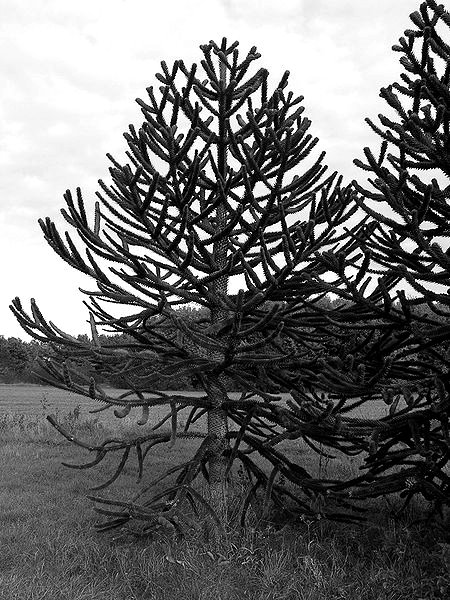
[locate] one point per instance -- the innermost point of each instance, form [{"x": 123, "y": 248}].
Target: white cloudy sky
[{"x": 70, "y": 72}]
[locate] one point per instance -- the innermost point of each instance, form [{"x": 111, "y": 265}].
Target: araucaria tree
[
  {"x": 409, "y": 198},
  {"x": 220, "y": 195}
]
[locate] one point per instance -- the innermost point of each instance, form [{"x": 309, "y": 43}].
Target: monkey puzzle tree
[
  {"x": 410, "y": 241},
  {"x": 216, "y": 196}
]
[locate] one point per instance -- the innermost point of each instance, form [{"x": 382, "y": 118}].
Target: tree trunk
[
  {"x": 217, "y": 418},
  {"x": 217, "y": 393},
  {"x": 218, "y": 430}
]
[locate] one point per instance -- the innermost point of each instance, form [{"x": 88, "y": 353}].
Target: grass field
[
  {"x": 36, "y": 400},
  {"x": 30, "y": 399},
  {"x": 50, "y": 550}
]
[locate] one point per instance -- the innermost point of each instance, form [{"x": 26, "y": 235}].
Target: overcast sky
[{"x": 70, "y": 72}]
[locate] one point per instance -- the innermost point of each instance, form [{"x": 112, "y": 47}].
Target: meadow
[
  {"x": 31, "y": 401},
  {"x": 50, "y": 549}
]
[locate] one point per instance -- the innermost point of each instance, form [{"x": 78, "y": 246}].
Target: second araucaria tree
[
  {"x": 223, "y": 206},
  {"x": 408, "y": 197}
]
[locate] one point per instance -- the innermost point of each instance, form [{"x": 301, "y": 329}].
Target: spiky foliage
[
  {"x": 221, "y": 191},
  {"x": 409, "y": 200}
]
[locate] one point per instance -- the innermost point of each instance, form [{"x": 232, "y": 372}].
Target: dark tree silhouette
[
  {"x": 222, "y": 206},
  {"x": 409, "y": 199}
]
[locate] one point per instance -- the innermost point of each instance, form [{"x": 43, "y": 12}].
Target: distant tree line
[{"x": 19, "y": 360}]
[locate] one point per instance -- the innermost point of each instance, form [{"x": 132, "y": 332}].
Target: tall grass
[{"x": 50, "y": 550}]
